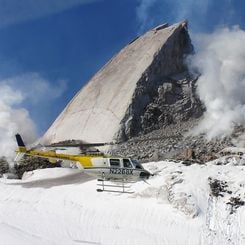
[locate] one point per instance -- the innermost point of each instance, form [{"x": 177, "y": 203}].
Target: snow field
[{"x": 61, "y": 206}]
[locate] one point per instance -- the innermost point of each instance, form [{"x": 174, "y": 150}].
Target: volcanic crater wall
[
  {"x": 144, "y": 87},
  {"x": 165, "y": 93}
]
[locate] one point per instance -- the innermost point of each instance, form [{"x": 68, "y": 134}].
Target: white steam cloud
[
  {"x": 153, "y": 12},
  {"x": 201, "y": 14},
  {"x": 221, "y": 86},
  {"x": 143, "y": 14},
  {"x": 14, "y": 118},
  {"x": 186, "y": 8}
]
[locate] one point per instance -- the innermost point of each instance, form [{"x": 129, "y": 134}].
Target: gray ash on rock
[
  {"x": 173, "y": 142},
  {"x": 166, "y": 92}
]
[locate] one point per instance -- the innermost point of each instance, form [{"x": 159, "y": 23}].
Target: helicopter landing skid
[{"x": 115, "y": 186}]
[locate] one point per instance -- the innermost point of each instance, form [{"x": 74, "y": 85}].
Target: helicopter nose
[{"x": 145, "y": 174}]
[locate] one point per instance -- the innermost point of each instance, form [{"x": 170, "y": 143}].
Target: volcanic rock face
[{"x": 144, "y": 87}]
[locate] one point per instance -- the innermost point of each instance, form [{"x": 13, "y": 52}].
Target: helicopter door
[{"x": 127, "y": 163}]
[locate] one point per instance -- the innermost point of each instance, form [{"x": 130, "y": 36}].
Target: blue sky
[{"x": 50, "y": 48}]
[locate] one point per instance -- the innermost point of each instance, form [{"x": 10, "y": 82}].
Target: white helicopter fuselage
[{"x": 115, "y": 168}]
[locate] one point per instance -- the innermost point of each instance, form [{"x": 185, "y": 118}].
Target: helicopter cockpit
[{"x": 124, "y": 163}]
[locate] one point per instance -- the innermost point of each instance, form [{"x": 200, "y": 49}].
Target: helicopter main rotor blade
[{"x": 77, "y": 145}]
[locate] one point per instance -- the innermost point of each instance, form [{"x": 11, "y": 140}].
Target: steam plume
[
  {"x": 15, "y": 92},
  {"x": 13, "y": 120},
  {"x": 143, "y": 14},
  {"x": 202, "y": 15},
  {"x": 153, "y": 12},
  {"x": 221, "y": 61}
]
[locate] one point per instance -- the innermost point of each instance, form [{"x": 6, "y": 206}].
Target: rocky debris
[
  {"x": 235, "y": 160},
  {"x": 233, "y": 151},
  {"x": 174, "y": 102},
  {"x": 235, "y": 203},
  {"x": 29, "y": 163},
  {"x": 218, "y": 187},
  {"x": 4, "y": 166},
  {"x": 173, "y": 142}
]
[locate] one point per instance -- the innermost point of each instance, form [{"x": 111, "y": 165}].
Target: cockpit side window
[
  {"x": 127, "y": 163},
  {"x": 137, "y": 164},
  {"x": 115, "y": 163}
]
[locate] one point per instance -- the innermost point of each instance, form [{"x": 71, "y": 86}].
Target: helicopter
[{"x": 95, "y": 163}]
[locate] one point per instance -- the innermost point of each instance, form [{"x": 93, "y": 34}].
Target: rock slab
[{"x": 142, "y": 88}]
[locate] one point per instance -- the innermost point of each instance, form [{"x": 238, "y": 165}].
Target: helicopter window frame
[
  {"x": 115, "y": 162},
  {"x": 136, "y": 164},
  {"x": 128, "y": 165}
]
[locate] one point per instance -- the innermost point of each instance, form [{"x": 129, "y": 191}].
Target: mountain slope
[{"x": 135, "y": 92}]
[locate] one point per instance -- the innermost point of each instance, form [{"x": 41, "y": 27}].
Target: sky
[{"x": 50, "y": 48}]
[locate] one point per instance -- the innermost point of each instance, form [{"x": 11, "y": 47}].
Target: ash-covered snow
[{"x": 175, "y": 206}]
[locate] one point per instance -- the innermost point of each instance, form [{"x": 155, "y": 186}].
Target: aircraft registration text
[{"x": 121, "y": 171}]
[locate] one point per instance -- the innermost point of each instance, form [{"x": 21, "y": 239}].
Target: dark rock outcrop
[
  {"x": 4, "y": 166},
  {"x": 29, "y": 163},
  {"x": 165, "y": 94}
]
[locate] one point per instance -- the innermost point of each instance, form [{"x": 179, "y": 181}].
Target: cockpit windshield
[{"x": 136, "y": 164}]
